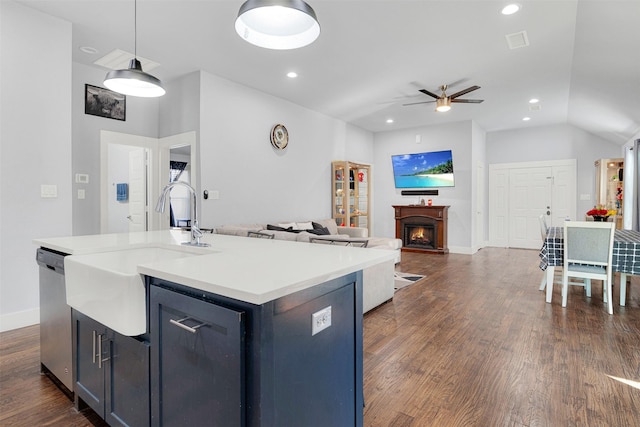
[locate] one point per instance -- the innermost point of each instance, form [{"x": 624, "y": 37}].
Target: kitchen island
[{"x": 248, "y": 331}]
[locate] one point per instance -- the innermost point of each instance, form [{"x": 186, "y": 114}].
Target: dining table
[{"x": 625, "y": 259}]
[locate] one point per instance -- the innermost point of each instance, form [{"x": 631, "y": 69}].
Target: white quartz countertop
[{"x": 248, "y": 269}]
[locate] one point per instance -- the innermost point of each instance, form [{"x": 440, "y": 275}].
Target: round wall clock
[{"x": 279, "y": 137}]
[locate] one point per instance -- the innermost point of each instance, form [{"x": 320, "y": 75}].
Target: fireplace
[
  {"x": 422, "y": 236},
  {"x": 422, "y": 228}
]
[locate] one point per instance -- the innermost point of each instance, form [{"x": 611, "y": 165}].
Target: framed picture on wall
[{"x": 103, "y": 102}]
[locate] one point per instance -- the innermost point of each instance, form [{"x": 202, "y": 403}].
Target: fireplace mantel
[{"x": 435, "y": 215}]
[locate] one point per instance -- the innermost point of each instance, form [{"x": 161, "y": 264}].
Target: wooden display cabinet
[{"x": 350, "y": 188}]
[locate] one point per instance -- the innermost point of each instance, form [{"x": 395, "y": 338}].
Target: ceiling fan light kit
[
  {"x": 133, "y": 81},
  {"x": 443, "y": 105},
  {"x": 277, "y": 24},
  {"x": 443, "y": 101}
]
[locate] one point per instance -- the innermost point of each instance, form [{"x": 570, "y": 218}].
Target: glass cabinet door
[{"x": 350, "y": 187}]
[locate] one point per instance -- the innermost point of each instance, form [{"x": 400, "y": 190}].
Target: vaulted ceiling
[{"x": 372, "y": 56}]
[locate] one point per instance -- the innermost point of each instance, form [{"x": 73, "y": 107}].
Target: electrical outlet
[{"x": 320, "y": 320}]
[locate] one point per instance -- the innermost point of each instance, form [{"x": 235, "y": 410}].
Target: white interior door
[
  {"x": 563, "y": 195},
  {"x": 529, "y": 197},
  {"x": 520, "y": 192},
  {"x": 498, "y": 207},
  {"x": 137, "y": 190}
]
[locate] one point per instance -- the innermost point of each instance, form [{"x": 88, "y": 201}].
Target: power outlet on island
[{"x": 320, "y": 320}]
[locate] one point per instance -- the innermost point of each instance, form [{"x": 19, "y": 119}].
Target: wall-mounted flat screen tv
[{"x": 423, "y": 170}]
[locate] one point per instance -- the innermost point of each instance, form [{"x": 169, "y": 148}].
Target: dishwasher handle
[{"x": 50, "y": 260}]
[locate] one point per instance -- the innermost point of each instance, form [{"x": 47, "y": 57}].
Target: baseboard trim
[{"x": 19, "y": 319}]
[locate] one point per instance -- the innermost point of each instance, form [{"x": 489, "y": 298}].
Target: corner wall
[{"x": 256, "y": 182}]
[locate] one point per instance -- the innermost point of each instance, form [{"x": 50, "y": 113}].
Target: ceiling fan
[{"x": 443, "y": 101}]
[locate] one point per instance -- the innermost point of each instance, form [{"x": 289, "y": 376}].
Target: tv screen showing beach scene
[{"x": 423, "y": 170}]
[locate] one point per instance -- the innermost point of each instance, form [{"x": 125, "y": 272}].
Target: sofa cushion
[
  {"x": 282, "y": 235},
  {"x": 384, "y": 243},
  {"x": 239, "y": 229}
]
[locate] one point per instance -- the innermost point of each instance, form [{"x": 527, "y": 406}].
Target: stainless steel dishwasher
[{"x": 55, "y": 319}]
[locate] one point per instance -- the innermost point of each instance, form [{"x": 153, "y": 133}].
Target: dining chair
[
  {"x": 259, "y": 235},
  {"x": 544, "y": 229},
  {"x": 557, "y": 279},
  {"x": 588, "y": 252}
]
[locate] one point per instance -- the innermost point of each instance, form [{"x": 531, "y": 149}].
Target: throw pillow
[
  {"x": 304, "y": 225},
  {"x": 277, "y": 228},
  {"x": 291, "y": 225},
  {"x": 320, "y": 231}
]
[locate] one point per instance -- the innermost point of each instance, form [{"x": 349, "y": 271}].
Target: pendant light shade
[
  {"x": 133, "y": 81},
  {"x": 277, "y": 24}
]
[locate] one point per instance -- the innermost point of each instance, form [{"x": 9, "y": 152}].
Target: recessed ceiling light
[
  {"x": 292, "y": 74},
  {"x": 88, "y": 49},
  {"x": 389, "y": 120},
  {"x": 534, "y": 101},
  {"x": 510, "y": 9},
  {"x": 526, "y": 119}
]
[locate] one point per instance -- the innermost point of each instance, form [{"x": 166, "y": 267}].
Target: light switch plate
[
  {"x": 48, "y": 191},
  {"x": 320, "y": 320},
  {"x": 82, "y": 178}
]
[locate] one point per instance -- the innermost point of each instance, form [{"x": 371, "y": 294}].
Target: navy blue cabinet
[
  {"x": 221, "y": 361},
  {"x": 197, "y": 361},
  {"x": 111, "y": 373}
]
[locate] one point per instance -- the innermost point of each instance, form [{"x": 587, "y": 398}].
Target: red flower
[{"x": 597, "y": 212}]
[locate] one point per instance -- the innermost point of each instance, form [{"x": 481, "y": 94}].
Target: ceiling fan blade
[
  {"x": 458, "y": 82},
  {"x": 468, "y": 101},
  {"x": 422, "y": 102},
  {"x": 426, "y": 92},
  {"x": 464, "y": 91}
]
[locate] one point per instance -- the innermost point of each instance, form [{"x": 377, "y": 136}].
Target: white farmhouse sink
[{"x": 107, "y": 287}]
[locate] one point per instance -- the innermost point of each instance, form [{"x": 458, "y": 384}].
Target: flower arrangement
[{"x": 600, "y": 213}]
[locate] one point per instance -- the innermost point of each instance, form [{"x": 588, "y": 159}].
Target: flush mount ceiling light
[
  {"x": 277, "y": 24},
  {"x": 443, "y": 104},
  {"x": 133, "y": 81}
]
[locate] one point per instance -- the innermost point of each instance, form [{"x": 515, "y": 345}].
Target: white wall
[
  {"x": 35, "y": 106},
  {"x": 557, "y": 142},
  {"x": 256, "y": 182},
  {"x": 142, "y": 117},
  {"x": 452, "y": 136}
]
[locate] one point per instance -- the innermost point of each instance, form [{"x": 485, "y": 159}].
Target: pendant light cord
[{"x": 135, "y": 28}]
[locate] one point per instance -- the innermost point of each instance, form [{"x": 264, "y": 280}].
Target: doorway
[
  {"x": 520, "y": 192},
  {"x": 141, "y": 165}
]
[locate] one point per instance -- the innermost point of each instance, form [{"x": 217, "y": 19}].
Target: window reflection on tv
[{"x": 423, "y": 170}]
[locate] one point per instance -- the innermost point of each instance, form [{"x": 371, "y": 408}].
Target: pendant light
[
  {"x": 133, "y": 81},
  {"x": 277, "y": 24}
]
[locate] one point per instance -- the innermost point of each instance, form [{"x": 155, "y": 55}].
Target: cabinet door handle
[
  {"x": 99, "y": 351},
  {"x": 93, "y": 348},
  {"x": 192, "y": 329}
]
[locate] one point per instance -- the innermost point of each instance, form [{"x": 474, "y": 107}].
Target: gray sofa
[{"x": 378, "y": 281}]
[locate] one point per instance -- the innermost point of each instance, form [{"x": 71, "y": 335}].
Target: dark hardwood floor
[{"x": 472, "y": 344}]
